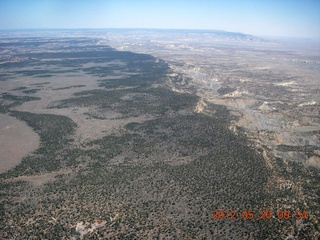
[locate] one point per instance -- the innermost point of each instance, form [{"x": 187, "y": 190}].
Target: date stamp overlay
[{"x": 262, "y": 214}]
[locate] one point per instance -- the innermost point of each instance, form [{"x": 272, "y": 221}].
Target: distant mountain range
[{"x": 211, "y": 34}]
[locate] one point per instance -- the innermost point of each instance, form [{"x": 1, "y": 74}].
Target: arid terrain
[
  {"x": 143, "y": 134},
  {"x": 13, "y": 148},
  {"x": 274, "y": 86}
]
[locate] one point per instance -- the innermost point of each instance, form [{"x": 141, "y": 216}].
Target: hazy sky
[{"x": 300, "y": 18}]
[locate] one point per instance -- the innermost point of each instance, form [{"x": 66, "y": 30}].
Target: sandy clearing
[
  {"x": 39, "y": 180},
  {"x": 88, "y": 128},
  {"x": 49, "y": 95},
  {"x": 17, "y": 139},
  {"x": 314, "y": 162}
]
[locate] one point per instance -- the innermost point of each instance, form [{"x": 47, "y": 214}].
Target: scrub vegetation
[{"x": 159, "y": 178}]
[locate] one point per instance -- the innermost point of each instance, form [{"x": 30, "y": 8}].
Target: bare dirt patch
[
  {"x": 41, "y": 179},
  {"x": 314, "y": 161},
  {"x": 16, "y": 141}
]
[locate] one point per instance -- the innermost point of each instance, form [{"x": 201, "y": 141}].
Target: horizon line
[{"x": 155, "y": 29}]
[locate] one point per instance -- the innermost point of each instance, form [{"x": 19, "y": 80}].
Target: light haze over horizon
[{"x": 294, "y": 18}]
